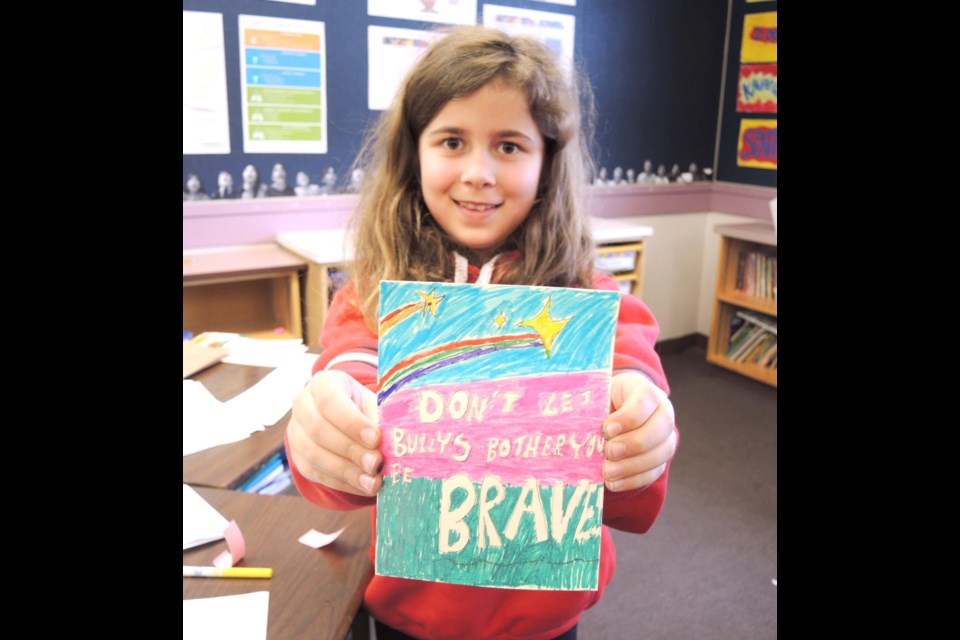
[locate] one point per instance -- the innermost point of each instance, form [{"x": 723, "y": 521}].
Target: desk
[
  {"x": 227, "y": 465},
  {"x": 314, "y": 593},
  {"x": 325, "y": 250},
  {"x": 249, "y": 289}
]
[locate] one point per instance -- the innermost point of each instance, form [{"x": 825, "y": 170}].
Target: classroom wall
[
  {"x": 656, "y": 69},
  {"x": 680, "y": 270},
  {"x": 672, "y": 270}
]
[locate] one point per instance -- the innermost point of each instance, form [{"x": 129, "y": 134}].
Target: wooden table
[
  {"x": 314, "y": 593},
  {"x": 228, "y": 465}
]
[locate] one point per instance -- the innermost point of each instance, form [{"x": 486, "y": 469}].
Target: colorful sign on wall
[
  {"x": 759, "y": 37},
  {"x": 757, "y": 88},
  {"x": 283, "y": 85},
  {"x": 757, "y": 144}
]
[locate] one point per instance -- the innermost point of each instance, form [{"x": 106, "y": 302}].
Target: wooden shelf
[
  {"x": 326, "y": 250},
  {"x": 253, "y": 290},
  {"x": 761, "y": 305},
  {"x": 623, "y": 261},
  {"x": 738, "y": 241}
]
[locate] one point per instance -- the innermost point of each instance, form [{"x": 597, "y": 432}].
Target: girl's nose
[{"x": 479, "y": 169}]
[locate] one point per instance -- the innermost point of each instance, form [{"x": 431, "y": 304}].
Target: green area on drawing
[
  {"x": 272, "y": 95},
  {"x": 408, "y": 538}
]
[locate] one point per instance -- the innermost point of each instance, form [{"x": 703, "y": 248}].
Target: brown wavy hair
[{"x": 395, "y": 238}]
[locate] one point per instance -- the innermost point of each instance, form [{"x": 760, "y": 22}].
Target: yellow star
[
  {"x": 547, "y": 327},
  {"x": 430, "y": 300},
  {"x": 500, "y": 320}
]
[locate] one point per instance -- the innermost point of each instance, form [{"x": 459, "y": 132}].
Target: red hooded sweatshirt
[{"x": 432, "y": 610}]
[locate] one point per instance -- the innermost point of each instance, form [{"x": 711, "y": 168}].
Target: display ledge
[{"x": 247, "y": 221}]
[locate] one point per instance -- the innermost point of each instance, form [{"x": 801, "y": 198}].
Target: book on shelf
[
  {"x": 746, "y": 346},
  {"x": 763, "y": 321},
  {"x": 754, "y": 353},
  {"x": 753, "y": 338},
  {"x": 739, "y": 328},
  {"x": 756, "y": 274},
  {"x": 769, "y": 357},
  {"x": 743, "y": 334}
]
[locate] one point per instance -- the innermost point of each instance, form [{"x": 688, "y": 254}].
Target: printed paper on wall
[
  {"x": 556, "y": 30},
  {"x": 392, "y": 53},
  {"x": 491, "y": 401},
  {"x": 206, "y": 123},
  {"x": 283, "y": 85},
  {"x": 445, "y": 11}
]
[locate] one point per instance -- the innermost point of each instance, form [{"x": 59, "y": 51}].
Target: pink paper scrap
[{"x": 236, "y": 547}]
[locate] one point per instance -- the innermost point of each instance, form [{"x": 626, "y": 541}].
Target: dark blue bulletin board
[
  {"x": 656, "y": 69},
  {"x": 748, "y": 132}
]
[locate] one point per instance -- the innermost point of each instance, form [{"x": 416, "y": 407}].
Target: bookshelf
[
  {"x": 743, "y": 327},
  {"x": 624, "y": 262},
  {"x": 253, "y": 290}
]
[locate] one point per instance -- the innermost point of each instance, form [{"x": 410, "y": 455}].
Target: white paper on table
[
  {"x": 271, "y": 398},
  {"x": 207, "y": 422},
  {"x": 201, "y": 522},
  {"x": 317, "y": 539},
  {"x": 262, "y": 353},
  {"x": 239, "y": 617}
]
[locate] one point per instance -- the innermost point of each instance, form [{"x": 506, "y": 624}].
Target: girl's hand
[
  {"x": 333, "y": 434},
  {"x": 640, "y": 433}
]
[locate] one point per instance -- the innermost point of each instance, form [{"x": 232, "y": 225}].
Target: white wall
[{"x": 680, "y": 269}]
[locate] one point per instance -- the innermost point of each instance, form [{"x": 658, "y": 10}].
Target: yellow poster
[
  {"x": 757, "y": 144},
  {"x": 759, "y": 37}
]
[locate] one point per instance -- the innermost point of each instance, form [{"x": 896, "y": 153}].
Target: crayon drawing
[
  {"x": 491, "y": 400},
  {"x": 758, "y": 144},
  {"x": 757, "y": 88}
]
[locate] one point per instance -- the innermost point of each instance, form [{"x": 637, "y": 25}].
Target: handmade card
[{"x": 491, "y": 402}]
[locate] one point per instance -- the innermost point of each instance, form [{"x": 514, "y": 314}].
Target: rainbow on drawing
[{"x": 491, "y": 400}]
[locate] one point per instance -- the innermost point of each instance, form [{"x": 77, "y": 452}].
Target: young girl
[
  {"x": 473, "y": 176},
  {"x": 251, "y": 186}
]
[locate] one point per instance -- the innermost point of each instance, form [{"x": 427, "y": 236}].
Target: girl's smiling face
[{"x": 480, "y": 161}]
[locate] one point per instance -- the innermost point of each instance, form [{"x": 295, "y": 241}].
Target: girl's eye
[
  {"x": 509, "y": 148},
  {"x": 452, "y": 144}
]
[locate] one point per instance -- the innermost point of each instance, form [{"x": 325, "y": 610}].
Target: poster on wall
[
  {"x": 491, "y": 400},
  {"x": 757, "y": 145},
  {"x": 391, "y": 53},
  {"x": 757, "y": 88},
  {"x": 206, "y": 122},
  {"x": 446, "y": 11},
  {"x": 759, "y": 42},
  {"x": 757, "y": 91},
  {"x": 555, "y": 30},
  {"x": 283, "y": 85}
]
